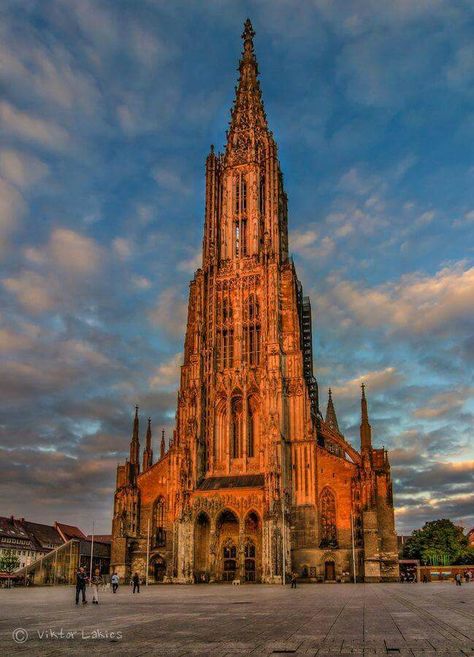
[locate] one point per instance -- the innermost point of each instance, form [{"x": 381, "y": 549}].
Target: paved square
[{"x": 420, "y": 620}]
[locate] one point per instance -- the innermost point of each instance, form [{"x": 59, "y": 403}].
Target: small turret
[
  {"x": 148, "y": 451},
  {"x": 162, "y": 446},
  {"x": 135, "y": 443},
  {"x": 365, "y": 428},
  {"x": 331, "y": 419}
]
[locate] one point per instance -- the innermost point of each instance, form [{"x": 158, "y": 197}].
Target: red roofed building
[{"x": 69, "y": 531}]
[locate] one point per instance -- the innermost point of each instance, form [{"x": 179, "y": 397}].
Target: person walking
[
  {"x": 115, "y": 582},
  {"x": 96, "y": 582},
  {"x": 136, "y": 583},
  {"x": 293, "y": 580},
  {"x": 458, "y": 579},
  {"x": 81, "y": 581}
]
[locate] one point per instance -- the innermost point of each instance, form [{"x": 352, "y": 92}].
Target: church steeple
[
  {"x": 247, "y": 113},
  {"x": 248, "y": 118},
  {"x": 135, "y": 443},
  {"x": 148, "y": 451},
  {"x": 331, "y": 418},
  {"x": 365, "y": 428}
]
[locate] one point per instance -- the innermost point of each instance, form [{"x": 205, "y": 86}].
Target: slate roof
[
  {"x": 14, "y": 535},
  {"x": 45, "y": 535},
  {"x": 242, "y": 481}
]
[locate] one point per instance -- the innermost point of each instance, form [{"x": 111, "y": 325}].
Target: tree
[
  {"x": 9, "y": 562},
  {"x": 466, "y": 558},
  {"x": 438, "y": 543}
]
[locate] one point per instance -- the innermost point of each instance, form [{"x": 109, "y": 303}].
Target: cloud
[
  {"x": 12, "y": 209},
  {"x": 67, "y": 258},
  {"x": 31, "y": 128},
  {"x": 191, "y": 264},
  {"x": 310, "y": 245},
  {"x": 141, "y": 282},
  {"x": 443, "y": 404},
  {"x": 32, "y": 290},
  {"x": 170, "y": 312},
  {"x": 21, "y": 169},
  {"x": 170, "y": 180},
  {"x": 123, "y": 247},
  {"x": 166, "y": 375},
  {"x": 74, "y": 252},
  {"x": 417, "y": 303},
  {"x": 377, "y": 380}
]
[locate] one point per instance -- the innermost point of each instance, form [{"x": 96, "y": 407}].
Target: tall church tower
[
  {"x": 244, "y": 405},
  {"x": 255, "y": 482}
]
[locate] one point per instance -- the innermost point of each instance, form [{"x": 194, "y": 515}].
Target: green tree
[
  {"x": 9, "y": 562},
  {"x": 438, "y": 543},
  {"x": 466, "y": 558}
]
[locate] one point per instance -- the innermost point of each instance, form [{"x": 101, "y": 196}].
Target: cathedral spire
[
  {"x": 331, "y": 418},
  {"x": 365, "y": 428},
  {"x": 162, "y": 446},
  {"x": 247, "y": 113},
  {"x": 148, "y": 451},
  {"x": 135, "y": 442}
]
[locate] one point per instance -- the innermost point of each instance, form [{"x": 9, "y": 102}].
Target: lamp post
[
  {"x": 147, "y": 552},
  {"x": 92, "y": 555},
  {"x": 353, "y": 549},
  {"x": 283, "y": 539}
]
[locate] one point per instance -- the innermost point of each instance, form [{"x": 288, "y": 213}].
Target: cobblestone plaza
[{"x": 432, "y": 620}]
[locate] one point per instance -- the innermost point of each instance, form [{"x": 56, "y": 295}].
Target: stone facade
[{"x": 255, "y": 480}]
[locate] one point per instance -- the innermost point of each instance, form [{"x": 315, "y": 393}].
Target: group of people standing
[{"x": 96, "y": 581}]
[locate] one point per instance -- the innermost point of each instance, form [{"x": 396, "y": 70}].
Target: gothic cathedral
[{"x": 255, "y": 483}]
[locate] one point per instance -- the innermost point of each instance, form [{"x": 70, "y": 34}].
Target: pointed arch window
[
  {"x": 236, "y": 427},
  {"x": 158, "y": 522},
  {"x": 327, "y": 507},
  {"x": 262, "y": 195},
  {"x": 237, "y": 239},
  {"x": 220, "y": 433},
  {"x": 251, "y": 316},
  {"x": 240, "y": 194},
  {"x": 225, "y": 332},
  {"x": 240, "y": 236},
  {"x": 252, "y": 423}
]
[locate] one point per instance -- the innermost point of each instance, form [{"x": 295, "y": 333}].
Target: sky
[{"x": 107, "y": 112}]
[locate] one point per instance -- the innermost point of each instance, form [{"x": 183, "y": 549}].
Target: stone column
[
  {"x": 213, "y": 547},
  {"x": 241, "y": 551}
]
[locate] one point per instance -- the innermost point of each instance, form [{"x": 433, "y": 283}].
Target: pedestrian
[
  {"x": 96, "y": 582},
  {"x": 115, "y": 582},
  {"x": 293, "y": 580},
  {"x": 458, "y": 579},
  {"x": 136, "y": 583},
  {"x": 81, "y": 580}
]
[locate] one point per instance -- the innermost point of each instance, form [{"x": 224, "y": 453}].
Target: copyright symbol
[{"x": 20, "y": 635}]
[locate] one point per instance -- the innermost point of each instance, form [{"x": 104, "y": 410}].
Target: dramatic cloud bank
[{"x": 107, "y": 113}]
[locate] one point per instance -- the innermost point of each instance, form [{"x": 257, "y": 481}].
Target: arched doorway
[
  {"x": 250, "y": 554},
  {"x": 252, "y": 547},
  {"x": 227, "y": 528},
  {"x": 229, "y": 556},
  {"x": 158, "y": 568},
  {"x": 329, "y": 571},
  {"x": 202, "y": 530}
]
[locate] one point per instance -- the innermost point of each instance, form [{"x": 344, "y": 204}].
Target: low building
[
  {"x": 31, "y": 540},
  {"x": 60, "y": 565}
]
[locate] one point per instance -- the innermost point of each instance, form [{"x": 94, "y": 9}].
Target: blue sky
[{"x": 107, "y": 111}]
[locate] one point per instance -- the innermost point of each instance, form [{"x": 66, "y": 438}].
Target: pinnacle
[
  {"x": 247, "y": 113},
  {"x": 331, "y": 418}
]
